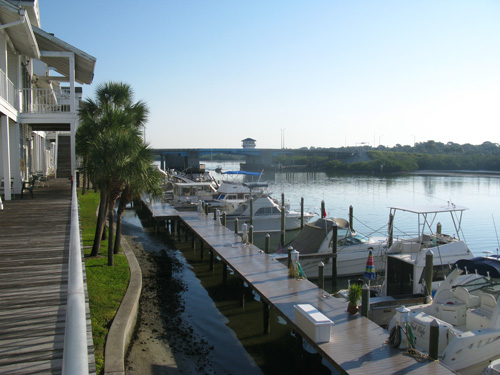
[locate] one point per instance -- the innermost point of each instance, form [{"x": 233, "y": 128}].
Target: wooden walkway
[
  {"x": 34, "y": 245},
  {"x": 357, "y": 345}
]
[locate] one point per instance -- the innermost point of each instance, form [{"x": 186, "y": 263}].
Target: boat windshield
[{"x": 347, "y": 238}]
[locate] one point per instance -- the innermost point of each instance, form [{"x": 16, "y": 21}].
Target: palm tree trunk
[
  {"x": 101, "y": 221},
  {"x": 111, "y": 211},
  {"x": 118, "y": 232}
]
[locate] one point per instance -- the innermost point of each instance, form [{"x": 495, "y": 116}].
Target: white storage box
[{"x": 313, "y": 323}]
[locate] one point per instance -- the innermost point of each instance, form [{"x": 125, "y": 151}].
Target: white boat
[
  {"x": 406, "y": 255},
  {"x": 232, "y": 192},
  {"x": 187, "y": 195},
  {"x": 352, "y": 248},
  {"x": 264, "y": 213},
  {"x": 466, "y": 310}
]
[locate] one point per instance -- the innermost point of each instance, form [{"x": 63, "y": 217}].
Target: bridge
[{"x": 255, "y": 158}]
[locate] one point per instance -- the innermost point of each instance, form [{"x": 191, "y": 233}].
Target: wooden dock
[
  {"x": 34, "y": 246},
  {"x": 357, "y": 345}
]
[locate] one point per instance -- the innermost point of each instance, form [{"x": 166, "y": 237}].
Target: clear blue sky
[{"x": 329, "y": 73}]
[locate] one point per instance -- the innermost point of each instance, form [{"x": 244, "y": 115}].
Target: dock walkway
[
  {"x": 34, "y": 247},
  {"x": 357, "y": 345}
]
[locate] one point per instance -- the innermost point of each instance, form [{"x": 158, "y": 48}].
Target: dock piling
[
  {"x": 265, "y": 315},
  {"x": 334, "y": 255},
  {"x": 267, "y": 243},
  {"x": 365, "y": 300},
  {"x": 321, "y": 275}
]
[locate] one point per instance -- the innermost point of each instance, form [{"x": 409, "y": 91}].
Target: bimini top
[
  {"x": 431, "y": 209},
  {"x": 483, "y": 266}
]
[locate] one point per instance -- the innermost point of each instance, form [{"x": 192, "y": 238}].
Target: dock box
[{"x": 313, "y": 323}]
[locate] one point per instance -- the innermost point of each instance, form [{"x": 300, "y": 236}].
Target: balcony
[{"x": 36, "y": 100}]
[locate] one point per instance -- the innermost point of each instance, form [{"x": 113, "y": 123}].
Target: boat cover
[
  {"x": 311, "y": 237},
  {"x": 482, "y": 265}
]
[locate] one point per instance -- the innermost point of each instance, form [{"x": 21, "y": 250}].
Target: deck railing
[
  {"x": 75, "y": 355},
  {"x": 37, "y": 100}
]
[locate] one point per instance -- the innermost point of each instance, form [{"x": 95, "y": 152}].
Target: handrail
[{"x": 75, "y": 354}]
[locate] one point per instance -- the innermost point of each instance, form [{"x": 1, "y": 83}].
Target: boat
[
  {"x": 406, "y": 255},
  {"x": 352, "y": 248},
  {"x": 218, "y": 169},
  {"x": 186, "y": 196},
  {"x": 406, "y": 260},
  {"x": 465, "y": 312},
  {"x": 232, "y": 192},
  {"x": 264, "y": 213}
]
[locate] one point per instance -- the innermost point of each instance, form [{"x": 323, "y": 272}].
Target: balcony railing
[
  {"x": 7, "y": 89},
  {"x": 45, "y": 100}
]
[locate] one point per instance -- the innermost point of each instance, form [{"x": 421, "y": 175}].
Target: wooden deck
[
  {"x": 357, "y": 345},
  {"x": 34, "y": 245}
]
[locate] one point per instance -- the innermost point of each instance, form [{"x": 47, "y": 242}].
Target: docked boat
[
  {"x": 352, "y": 248},
  {"x": 406, "y": 255},
  {"x": 232, "y": 192},
  {"x": 406, "y": 259},
  {"x": 186, "y": 196},
  {"x": 466, "y": 311},
  {"x": 264, "y": 213}
]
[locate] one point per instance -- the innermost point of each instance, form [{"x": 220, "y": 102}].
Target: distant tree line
[{"x": 428, "y": 155}]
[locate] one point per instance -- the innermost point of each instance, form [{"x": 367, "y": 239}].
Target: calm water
[{"x": 371, "y": 198}]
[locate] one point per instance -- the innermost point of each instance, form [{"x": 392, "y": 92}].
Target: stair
[{"x": 63, "y": 156}]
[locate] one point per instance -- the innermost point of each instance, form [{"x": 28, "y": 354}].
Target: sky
[{"x": 296, "y": 73}]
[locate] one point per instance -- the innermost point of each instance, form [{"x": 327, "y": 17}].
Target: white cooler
[{"x": 313, "y": 323}]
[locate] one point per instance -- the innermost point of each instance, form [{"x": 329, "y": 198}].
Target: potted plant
[{"x": 353, "y": 298}]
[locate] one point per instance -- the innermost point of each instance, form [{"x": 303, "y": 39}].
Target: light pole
[{"x": 283, "y": 137}]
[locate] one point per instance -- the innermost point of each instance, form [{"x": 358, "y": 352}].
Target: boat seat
[
  {"x": 488, "y": 302},
  {"x": 463, "y": 295},
  {"x": 480, "y": 317}
]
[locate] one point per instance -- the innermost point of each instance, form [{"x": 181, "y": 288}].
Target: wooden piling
[
  {"x": 429, "y": 264},
  {"x": 434, "y": 340},
  {"x": 251, "y": 211},
  {"x": 242, "y": 293},
  {"x": 365, "y": 300},
  {"x": 302, "y": 213},
  {"x": 267, "y": 243},
  {"x": 321, "y": 275},
  {"x": 351, "y": 218},
  {"x": 334, "y": 256},
  {"x": 212, "y": 260},
  {"x": 250, "y": 234},
  {"x": 224, "y": 273},
  {"x": 265, "y": 315},
  {"x": 283, "y": 226}
]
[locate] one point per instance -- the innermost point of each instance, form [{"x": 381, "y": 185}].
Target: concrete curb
[{"x": 125, "y": 320}]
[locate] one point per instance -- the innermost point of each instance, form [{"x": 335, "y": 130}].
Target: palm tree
[
  {"x": 109, "y": 139},
  {"x": 143, "y": 178}
]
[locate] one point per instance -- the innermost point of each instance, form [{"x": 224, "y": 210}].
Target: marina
[{"x": 356, "y": 346}]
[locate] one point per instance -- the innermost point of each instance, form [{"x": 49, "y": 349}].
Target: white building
[
  {"x": 248, "y": 143},
  {"x": 38, "y": 97}
]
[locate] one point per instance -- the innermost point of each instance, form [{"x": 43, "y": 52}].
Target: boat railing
[{"x": 75, "y": 352}]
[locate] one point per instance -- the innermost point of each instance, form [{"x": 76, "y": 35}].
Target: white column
[
  {"x": 72, "y": 110},
  {"x": 6, "y": 157}
]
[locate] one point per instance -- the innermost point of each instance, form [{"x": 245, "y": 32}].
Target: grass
[{"x": 106, "y": 285}]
